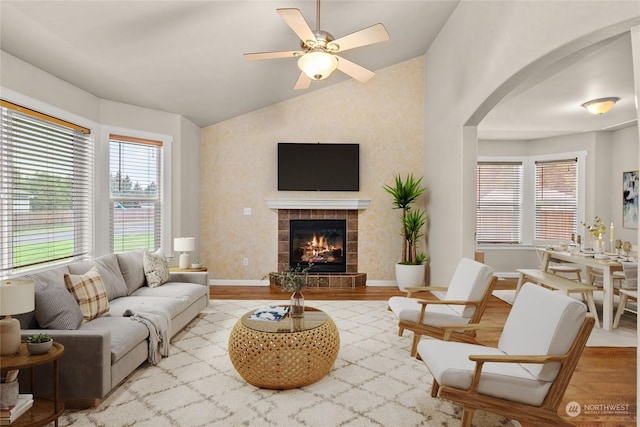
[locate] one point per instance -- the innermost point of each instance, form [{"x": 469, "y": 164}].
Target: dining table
[{"x": 607, "y": 265}]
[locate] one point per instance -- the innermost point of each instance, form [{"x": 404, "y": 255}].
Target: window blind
[
  {"x": 135, "y": 175},
  {"x": 46, "y": 182},
  {"x": 499, "y": 201},
  {"x": 556, "y": 200}
]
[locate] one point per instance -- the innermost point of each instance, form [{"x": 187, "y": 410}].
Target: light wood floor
[{"x": 604, "y": 376}]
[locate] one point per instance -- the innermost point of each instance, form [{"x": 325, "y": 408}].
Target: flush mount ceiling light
[{"x": 601, "y": 105}]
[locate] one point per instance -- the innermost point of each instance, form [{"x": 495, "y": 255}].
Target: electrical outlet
[
  {"x": 247, "y": 211},
  {"x": 245, "y": 261}
]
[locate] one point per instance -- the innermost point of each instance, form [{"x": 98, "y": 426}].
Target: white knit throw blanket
[{"x": 158, "y": 323}]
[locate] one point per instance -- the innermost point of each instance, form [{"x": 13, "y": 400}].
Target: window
[
  {"x": 556, "y": 200},
  {"x": 499, "y": 201},
  {"x": 521, "y": 200},
  {"x": 135, "y": 176},
  {"x": 46, "y": 182}
]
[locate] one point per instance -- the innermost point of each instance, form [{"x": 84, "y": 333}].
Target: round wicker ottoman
[{"x": 286, "y": 354}]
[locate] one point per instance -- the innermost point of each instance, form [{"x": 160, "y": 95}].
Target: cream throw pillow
[
  {"x": 156, "y": 268},
  {"x": 89, "y": 290}
]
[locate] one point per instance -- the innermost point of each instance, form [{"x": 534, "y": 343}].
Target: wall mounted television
[{"x": 318, "y": 167}]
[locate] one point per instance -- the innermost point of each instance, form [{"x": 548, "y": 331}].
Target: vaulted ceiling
[{"x": 185, "y": 57}]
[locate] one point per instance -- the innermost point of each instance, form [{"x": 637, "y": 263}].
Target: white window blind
[
  {"x": 556, "y": 202},
  {"x": 46, "y": 182},
  {"x": 499, "y": 193},
  {"x": 135, "y": 175}
]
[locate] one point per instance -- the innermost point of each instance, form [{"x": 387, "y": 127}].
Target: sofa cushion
[
  {"x": 156, "y": 268},
  {"x": 89, "y": 291},
  {"x": 173, "y": 306},
  {"x": 125, "y": 333},
  {"x": 132, "y": 269},
  {"x": 56, "y": 308},
  {"x": 109, "y": 270},
  {"x": 192, "y": 291}
]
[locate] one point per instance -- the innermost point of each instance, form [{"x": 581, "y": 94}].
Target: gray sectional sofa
[{"x": 102, "y": 352}]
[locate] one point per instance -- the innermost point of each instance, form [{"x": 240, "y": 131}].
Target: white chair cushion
[
  {"x": 408, "y": 309},
  {"x": 449, "y": 364},
  {"x": 541, "y": 322},
  {"x": 469, "y": 283}
]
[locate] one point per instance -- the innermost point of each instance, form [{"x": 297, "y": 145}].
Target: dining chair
[
  {"x": 526, "y": 375},
  {"x": 462, "y": 302},
  {"x": 628, "y": 290}
]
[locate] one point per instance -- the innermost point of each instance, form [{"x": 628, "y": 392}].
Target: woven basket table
[{"x": 286, "y": 354}]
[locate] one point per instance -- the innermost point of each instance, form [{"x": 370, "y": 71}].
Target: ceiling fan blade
[
  {"x": 303, "y": 82},
  {"x": 374, "y": 34},
  {"x": 354, "y": 70},
  {"x": 295, "y": 20},
  {"x": 259, "y": 56}
]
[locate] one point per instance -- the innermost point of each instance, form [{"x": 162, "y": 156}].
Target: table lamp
[
  {"x": 16, "y": 296},
  {"x": 184, "y": 245}
]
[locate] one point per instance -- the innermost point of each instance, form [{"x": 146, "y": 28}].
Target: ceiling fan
[{"x": 317, "y": 57}]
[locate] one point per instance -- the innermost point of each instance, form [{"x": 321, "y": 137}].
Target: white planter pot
[
  {"x": 39, "y": 347},
  {"x": 409, "y": 275}
]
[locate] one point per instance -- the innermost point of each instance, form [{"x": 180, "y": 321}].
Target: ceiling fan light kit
[
  {"x": 318, "y": 65},
  {"x": 318, "y": 57},
  {"x": 600, "y": 105}
]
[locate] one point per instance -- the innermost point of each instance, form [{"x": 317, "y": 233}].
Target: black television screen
[{"x": 318, "y": 167}]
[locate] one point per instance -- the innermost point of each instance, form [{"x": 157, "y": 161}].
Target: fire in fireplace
[{"x": 321, "y": 242}]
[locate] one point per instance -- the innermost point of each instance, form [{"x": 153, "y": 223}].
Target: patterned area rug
[
  {"x": 625, "y": 335},
  {"x": 374, "y": 381}
]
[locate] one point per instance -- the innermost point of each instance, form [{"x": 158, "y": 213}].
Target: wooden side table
[
  {"x": 190, "y": 275},
  {"x": 44, "y": 410}
]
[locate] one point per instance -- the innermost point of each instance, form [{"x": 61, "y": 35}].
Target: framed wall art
[{"x": 630, "y": 199}]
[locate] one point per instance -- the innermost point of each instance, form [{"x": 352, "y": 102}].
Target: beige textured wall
[{"x": 385, "y": 116}]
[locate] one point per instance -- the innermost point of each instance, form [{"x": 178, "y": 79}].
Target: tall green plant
[
  {"x": 414, "y": 221},
  {"x": 404, "y": 193}
]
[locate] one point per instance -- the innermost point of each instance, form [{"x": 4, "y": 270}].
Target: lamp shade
[
  {"x": 318, "y": 65},
  {"x": 600, "y": 106},
  {"x": 16, "y": 296},
  {"x": 184, "y": 244}
]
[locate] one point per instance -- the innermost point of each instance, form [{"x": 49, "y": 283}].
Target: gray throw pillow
[
  {"x": 132, "y": 269},
  {"x": 57, "y": 309}
]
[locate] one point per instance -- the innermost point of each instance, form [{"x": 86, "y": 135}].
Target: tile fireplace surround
[
  {"x": 323, "y": 209},
  {"x": 351, "y": 278},
  {"x": 285, "y": 215}
]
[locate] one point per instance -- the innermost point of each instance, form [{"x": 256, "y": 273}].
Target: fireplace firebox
[{"x": 321, "y": 242}]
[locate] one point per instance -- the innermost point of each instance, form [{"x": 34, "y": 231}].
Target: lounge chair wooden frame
[
  {"x": 545, "y": 414},
  {"x": 454, "y": 332}
]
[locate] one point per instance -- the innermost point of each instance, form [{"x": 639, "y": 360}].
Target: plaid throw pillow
[{"x": 88, "y": 289}]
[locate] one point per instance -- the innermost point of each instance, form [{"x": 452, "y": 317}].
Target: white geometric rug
[
  {"x": 374, "y": 381},
  {"x": 625, "y": 335}
]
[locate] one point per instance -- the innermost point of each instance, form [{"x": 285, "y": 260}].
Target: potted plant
[
  {"x": 293, "y": 280},
  {"x": 39, "y": 343},
  {"x": 410, "y": 270},
  {"x": 197, "y": 263}
]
